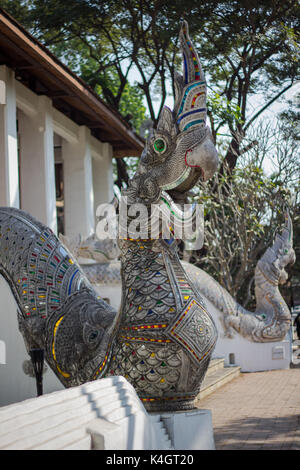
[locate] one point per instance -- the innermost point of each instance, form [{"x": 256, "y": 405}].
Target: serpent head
[
  {"x": 78, "y": 337},
  {"x": 283, "y": 247},
  {"x": 277, "y": 257},
  {"x": 180, "y": 150}
]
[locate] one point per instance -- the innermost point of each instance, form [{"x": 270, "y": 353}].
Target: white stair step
[
  {"x": 217, "y": 379},
  {"x": 215, "y": 364}
]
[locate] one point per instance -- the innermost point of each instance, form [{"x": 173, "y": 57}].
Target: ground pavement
[{"x": 257, "y": 411}]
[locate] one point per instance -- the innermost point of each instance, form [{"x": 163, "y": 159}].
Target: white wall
[
  {"x": 103, "y": 415},
  {"x": 78, "y": 185},
  {"x": 103, "y": 176},
  {"x": 37, "y": 176},
  {"x": 112, "y": 293}
]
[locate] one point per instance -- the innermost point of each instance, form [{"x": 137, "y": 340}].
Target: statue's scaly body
[{"x": 166, "y": 336}]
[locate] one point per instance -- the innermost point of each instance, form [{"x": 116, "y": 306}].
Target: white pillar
[
  {"x": 9, "y": 171},
  {"x": 103, "y": 177},
  {"x": 78, "y": 185},
  {"x": 38, "y": 193}
]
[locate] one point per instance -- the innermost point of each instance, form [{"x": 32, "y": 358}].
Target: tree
[
  {"x": 253, "y": 49},
  {"x": 246, "y": 208},
  {"x": 246, "y": 47}
]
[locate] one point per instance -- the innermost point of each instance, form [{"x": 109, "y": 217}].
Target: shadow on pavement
[{"x": 282, "y": 433}]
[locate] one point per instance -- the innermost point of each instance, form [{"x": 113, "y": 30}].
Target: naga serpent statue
[{"x": 163, "y": 337}]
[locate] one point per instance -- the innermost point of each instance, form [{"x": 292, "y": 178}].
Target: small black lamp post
[{"x": 37, "y": 358}]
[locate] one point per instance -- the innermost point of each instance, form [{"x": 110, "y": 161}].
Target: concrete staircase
[
  {"x": 217, "y": 375},
  {"x": 159, "y": 427},
  {"x": 100, "y": 415}
]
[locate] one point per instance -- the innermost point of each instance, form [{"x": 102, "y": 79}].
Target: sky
[{"x": 255, "y": 102}]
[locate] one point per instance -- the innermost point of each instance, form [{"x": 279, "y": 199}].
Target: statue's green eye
[{"x": 159, "y": 146}]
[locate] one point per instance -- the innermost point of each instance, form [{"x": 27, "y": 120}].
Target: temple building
[{"x": 57, "y": 137}]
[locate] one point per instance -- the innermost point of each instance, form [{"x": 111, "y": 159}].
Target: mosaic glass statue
[{"x": 163, "y": 337}]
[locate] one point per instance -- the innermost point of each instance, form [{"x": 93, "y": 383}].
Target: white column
[
  {"x": 9, "y": 171},
  {"x": 103, "y": 176},
  {"x": 38, "y": 193},
  {"x": 78, "y": 185}
]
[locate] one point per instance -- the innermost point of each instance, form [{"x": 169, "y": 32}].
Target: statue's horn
[
  {"x": 191, "y": 107},
  {"x": 192, "y": 70}
]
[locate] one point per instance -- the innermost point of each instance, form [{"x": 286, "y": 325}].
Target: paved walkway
[{"x": 257, "y": 411}]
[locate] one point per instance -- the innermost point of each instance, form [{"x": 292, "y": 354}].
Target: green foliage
[
  {"x": 245, "y": 47},
  {"x": 131, "y": 103},
  {"x": 17, "y": 8},
  {"x": 221, "y": 110}
]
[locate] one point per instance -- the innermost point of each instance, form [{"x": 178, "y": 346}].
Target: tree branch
[{"x": 267, "y": 105}]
